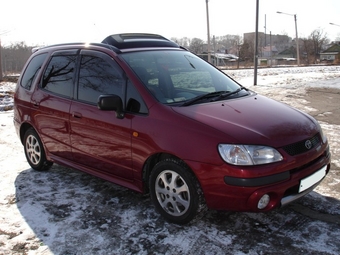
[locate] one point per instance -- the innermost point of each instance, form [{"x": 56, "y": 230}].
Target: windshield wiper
[
  {"x": 205, "y": 96},
  {"x": 225, "y": 95}
]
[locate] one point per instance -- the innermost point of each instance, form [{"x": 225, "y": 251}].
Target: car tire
[
  {"x": 175, "y": 191},
  {"x": 34, "y": 151}
]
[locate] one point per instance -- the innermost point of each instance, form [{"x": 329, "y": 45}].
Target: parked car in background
[{"x": 142, "y": 112}]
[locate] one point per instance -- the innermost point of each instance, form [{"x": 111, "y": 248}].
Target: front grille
[{"x": 300, "y": 147}]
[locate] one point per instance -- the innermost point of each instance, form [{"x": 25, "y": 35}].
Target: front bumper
[{"x": 225, "y": 192}]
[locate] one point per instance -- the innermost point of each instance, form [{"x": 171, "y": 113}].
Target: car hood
[{"x": 254, "y": 120}]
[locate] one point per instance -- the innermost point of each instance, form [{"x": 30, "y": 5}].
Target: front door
[{"x": 99, "y": 140}]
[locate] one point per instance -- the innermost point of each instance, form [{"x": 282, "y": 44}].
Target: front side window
[
  {"x": 58, "y": 76},
  {"x": 99, "y": 76},
  {"x": 134, "y": 101},
  {"x": 32, "y": 71}
]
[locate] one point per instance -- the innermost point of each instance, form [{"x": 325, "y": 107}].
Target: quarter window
[{"x": 32, "y": 71}]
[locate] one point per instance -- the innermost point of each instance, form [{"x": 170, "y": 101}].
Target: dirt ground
[
  {"x": 325, "y": 100},
  {"x": 64, "y": 211}
]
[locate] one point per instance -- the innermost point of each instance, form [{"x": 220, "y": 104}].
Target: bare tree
[
  {"x": 196, "y": 45},
  {"x": 318, "y": 40},
  {"x": 228, "y": 41},
  {"x": 0, "y": 62},
  {"x": 15, "y": 56},
  {"x": 337, "y": 37},
  {"x": 184, "y": 41},
  {"x": 307, "y": 49},
  {"x": 313, "y": 45},
  {"x": 247, "y": 51}
]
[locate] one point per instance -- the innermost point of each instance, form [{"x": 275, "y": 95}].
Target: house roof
[
  {"x": 333, "y": 48},
  {"x": 288, "y": 51}
]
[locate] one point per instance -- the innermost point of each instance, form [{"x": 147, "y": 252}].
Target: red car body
[{"x": 124, "y": 150}]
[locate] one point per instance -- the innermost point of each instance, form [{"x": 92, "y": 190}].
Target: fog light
[{"x": 263, "y": 202}]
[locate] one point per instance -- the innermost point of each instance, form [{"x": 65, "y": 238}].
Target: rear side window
[
  {"x": 32, "y": 70},
  {"x": 58, "y": 76},
  {"x": 99, "y": 75}
]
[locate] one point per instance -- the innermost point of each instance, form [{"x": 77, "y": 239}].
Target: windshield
[{"x": 175, "y": 76}]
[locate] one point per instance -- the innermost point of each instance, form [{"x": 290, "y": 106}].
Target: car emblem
[{"x": 308, "y": 144}]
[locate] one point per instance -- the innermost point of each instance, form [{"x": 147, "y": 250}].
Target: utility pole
[
  {"x": 271, "y": 49},
  {"x": 265, "y": 30},
  {"x": 208, "y": 29},
  {"x": 297, "y": 42},
  {"x": 256, "y": 55}
]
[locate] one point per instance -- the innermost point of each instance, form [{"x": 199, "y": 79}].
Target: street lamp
[
  {"x": 208, "y": 28},
  {"x": 296, "y": 37},
  {"x": 334, "y": 24}
]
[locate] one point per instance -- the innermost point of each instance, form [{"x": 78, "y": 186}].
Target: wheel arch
[
  {"x": 156, "y": 158},
  {"x": 23, "y": 128}
]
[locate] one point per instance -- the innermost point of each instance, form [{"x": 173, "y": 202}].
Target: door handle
[
  {"x": 77, "y": 115},
  {"x": 35, "y": 104}
]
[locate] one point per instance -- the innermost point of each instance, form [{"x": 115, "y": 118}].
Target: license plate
[{"x": 309, "y": 181}]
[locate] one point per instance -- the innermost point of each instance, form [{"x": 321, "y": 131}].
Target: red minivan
[{"x": 142, "y": 112}]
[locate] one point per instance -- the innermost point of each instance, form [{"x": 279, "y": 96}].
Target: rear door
[
  {"x": 99, "y": 140},
  {"x": 51, "y": 103}
]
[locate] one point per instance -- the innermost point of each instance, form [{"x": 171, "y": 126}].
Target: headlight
[
  {"x": 323, "y": 136},
  {"x": 245, "y": 155}
]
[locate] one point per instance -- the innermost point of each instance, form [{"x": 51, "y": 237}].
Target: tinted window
[
  {"x": 99, "y": 76},
  {"x": 32, "y": 71},
  {"x": 58, "y": 76}
]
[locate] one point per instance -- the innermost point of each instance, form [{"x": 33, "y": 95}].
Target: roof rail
[
  {"x": 35, "y": 49},
  {"x": 115, "y": 49}
]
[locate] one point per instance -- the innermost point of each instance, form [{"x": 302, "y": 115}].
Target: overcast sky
[{"x": 41, "y": 22}]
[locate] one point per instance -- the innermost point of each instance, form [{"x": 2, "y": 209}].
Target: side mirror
[{"x": 111, "y": 103}]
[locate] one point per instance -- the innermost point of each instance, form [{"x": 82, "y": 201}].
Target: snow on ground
[
  {"x": 6, "y": 98},
  {"x": 64, "y": 211},
  {"x": 286, "y": 77}
]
